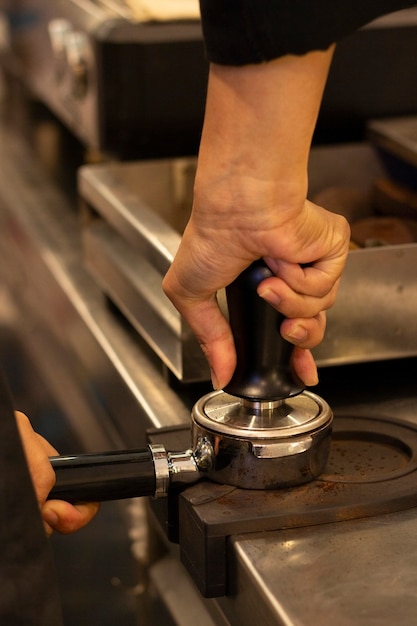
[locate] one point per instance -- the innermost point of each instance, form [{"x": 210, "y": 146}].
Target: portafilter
[{"x": 263, "y": 431}]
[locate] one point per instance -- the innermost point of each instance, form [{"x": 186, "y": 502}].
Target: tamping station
[{"x": 263, "y": 431}]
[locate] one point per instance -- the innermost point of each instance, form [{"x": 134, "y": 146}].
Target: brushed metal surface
[
  {"x": 396, "y": 135},
  {"x": 143, "y": 209},
  {"x": 148, "y": 203},
  {"x": 65, "y": 313},
  {"x": 359, "y": 573},
  {"x": 374, "y": 315},
  {"x": 133, "y": 283}
]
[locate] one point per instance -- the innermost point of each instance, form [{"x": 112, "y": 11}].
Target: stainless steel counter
[
  {"x": 348, "y": 573},
  {"x": 358, "y": 572},
  {"x": 353, "y": 573}
]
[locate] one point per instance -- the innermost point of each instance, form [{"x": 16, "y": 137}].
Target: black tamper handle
[
  {"x": 263, "y": 371},
  {"x": 104, "y": 476}
]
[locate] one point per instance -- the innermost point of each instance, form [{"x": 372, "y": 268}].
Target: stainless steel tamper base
[{"x": 261, "y": 445}]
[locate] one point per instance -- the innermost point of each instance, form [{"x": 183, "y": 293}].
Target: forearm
[
  {"x": 257, "y": 132},
  {"x": 250, "y": 202}
]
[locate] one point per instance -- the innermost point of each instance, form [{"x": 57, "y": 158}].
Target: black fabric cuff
[{"x": 239, "y": 32}]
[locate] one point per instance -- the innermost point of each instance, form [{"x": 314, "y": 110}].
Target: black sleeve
[
  {"x": 238, "y": 32},
  {"x": 29, "y": 591}
]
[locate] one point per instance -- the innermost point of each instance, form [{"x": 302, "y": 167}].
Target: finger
[
  {"x": 314, "y": 279},
  {"x": 304, "y": 332},
  {"x": 37, "y": 452},
  {"x": 214, "y": 335},
  {"x": 304, "y": 365},
  {"x": 292, "y": 304},
  {"x": 65, "y": 518}
]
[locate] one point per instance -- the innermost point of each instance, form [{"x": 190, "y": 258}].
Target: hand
[
  {"x": 250, "y": 203},
  {"x": 57, "y": 515},
  {"x": 204, "y": 265}
]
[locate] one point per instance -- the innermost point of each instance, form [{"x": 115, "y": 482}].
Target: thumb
[{"x": 214, "y": 335}]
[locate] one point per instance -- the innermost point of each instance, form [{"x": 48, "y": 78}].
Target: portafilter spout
[{"x": 263, "y": 431}]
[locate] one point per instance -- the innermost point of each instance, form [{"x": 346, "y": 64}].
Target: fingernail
[
  {"x": 214, "y": 381},
  {"x": 270, "y": 296},
  {"x": 50, "y": 517},
  {"x": 312, "y": 380},
  {"x": 297, "y": 334}
]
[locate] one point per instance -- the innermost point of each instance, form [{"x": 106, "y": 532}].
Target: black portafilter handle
[
  {"x": 263, "y": 371},
  {"x": 104, "y": 476}
]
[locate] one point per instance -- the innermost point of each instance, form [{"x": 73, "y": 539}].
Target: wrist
[{"x": 257, "y": 132}]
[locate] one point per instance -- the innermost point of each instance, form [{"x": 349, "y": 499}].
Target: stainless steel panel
[
  {"x": 134, "y": 285},
  {"x": 374, "y": 314},
  {"x": 68, "y": 316},
  {"x": 396, "y": 135},
  {"x": 143, "y": 209},
  {"x": 171, "y": 583},
  {"x": 358, "y": 573},
  {"x": 148, "y": 204}
]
